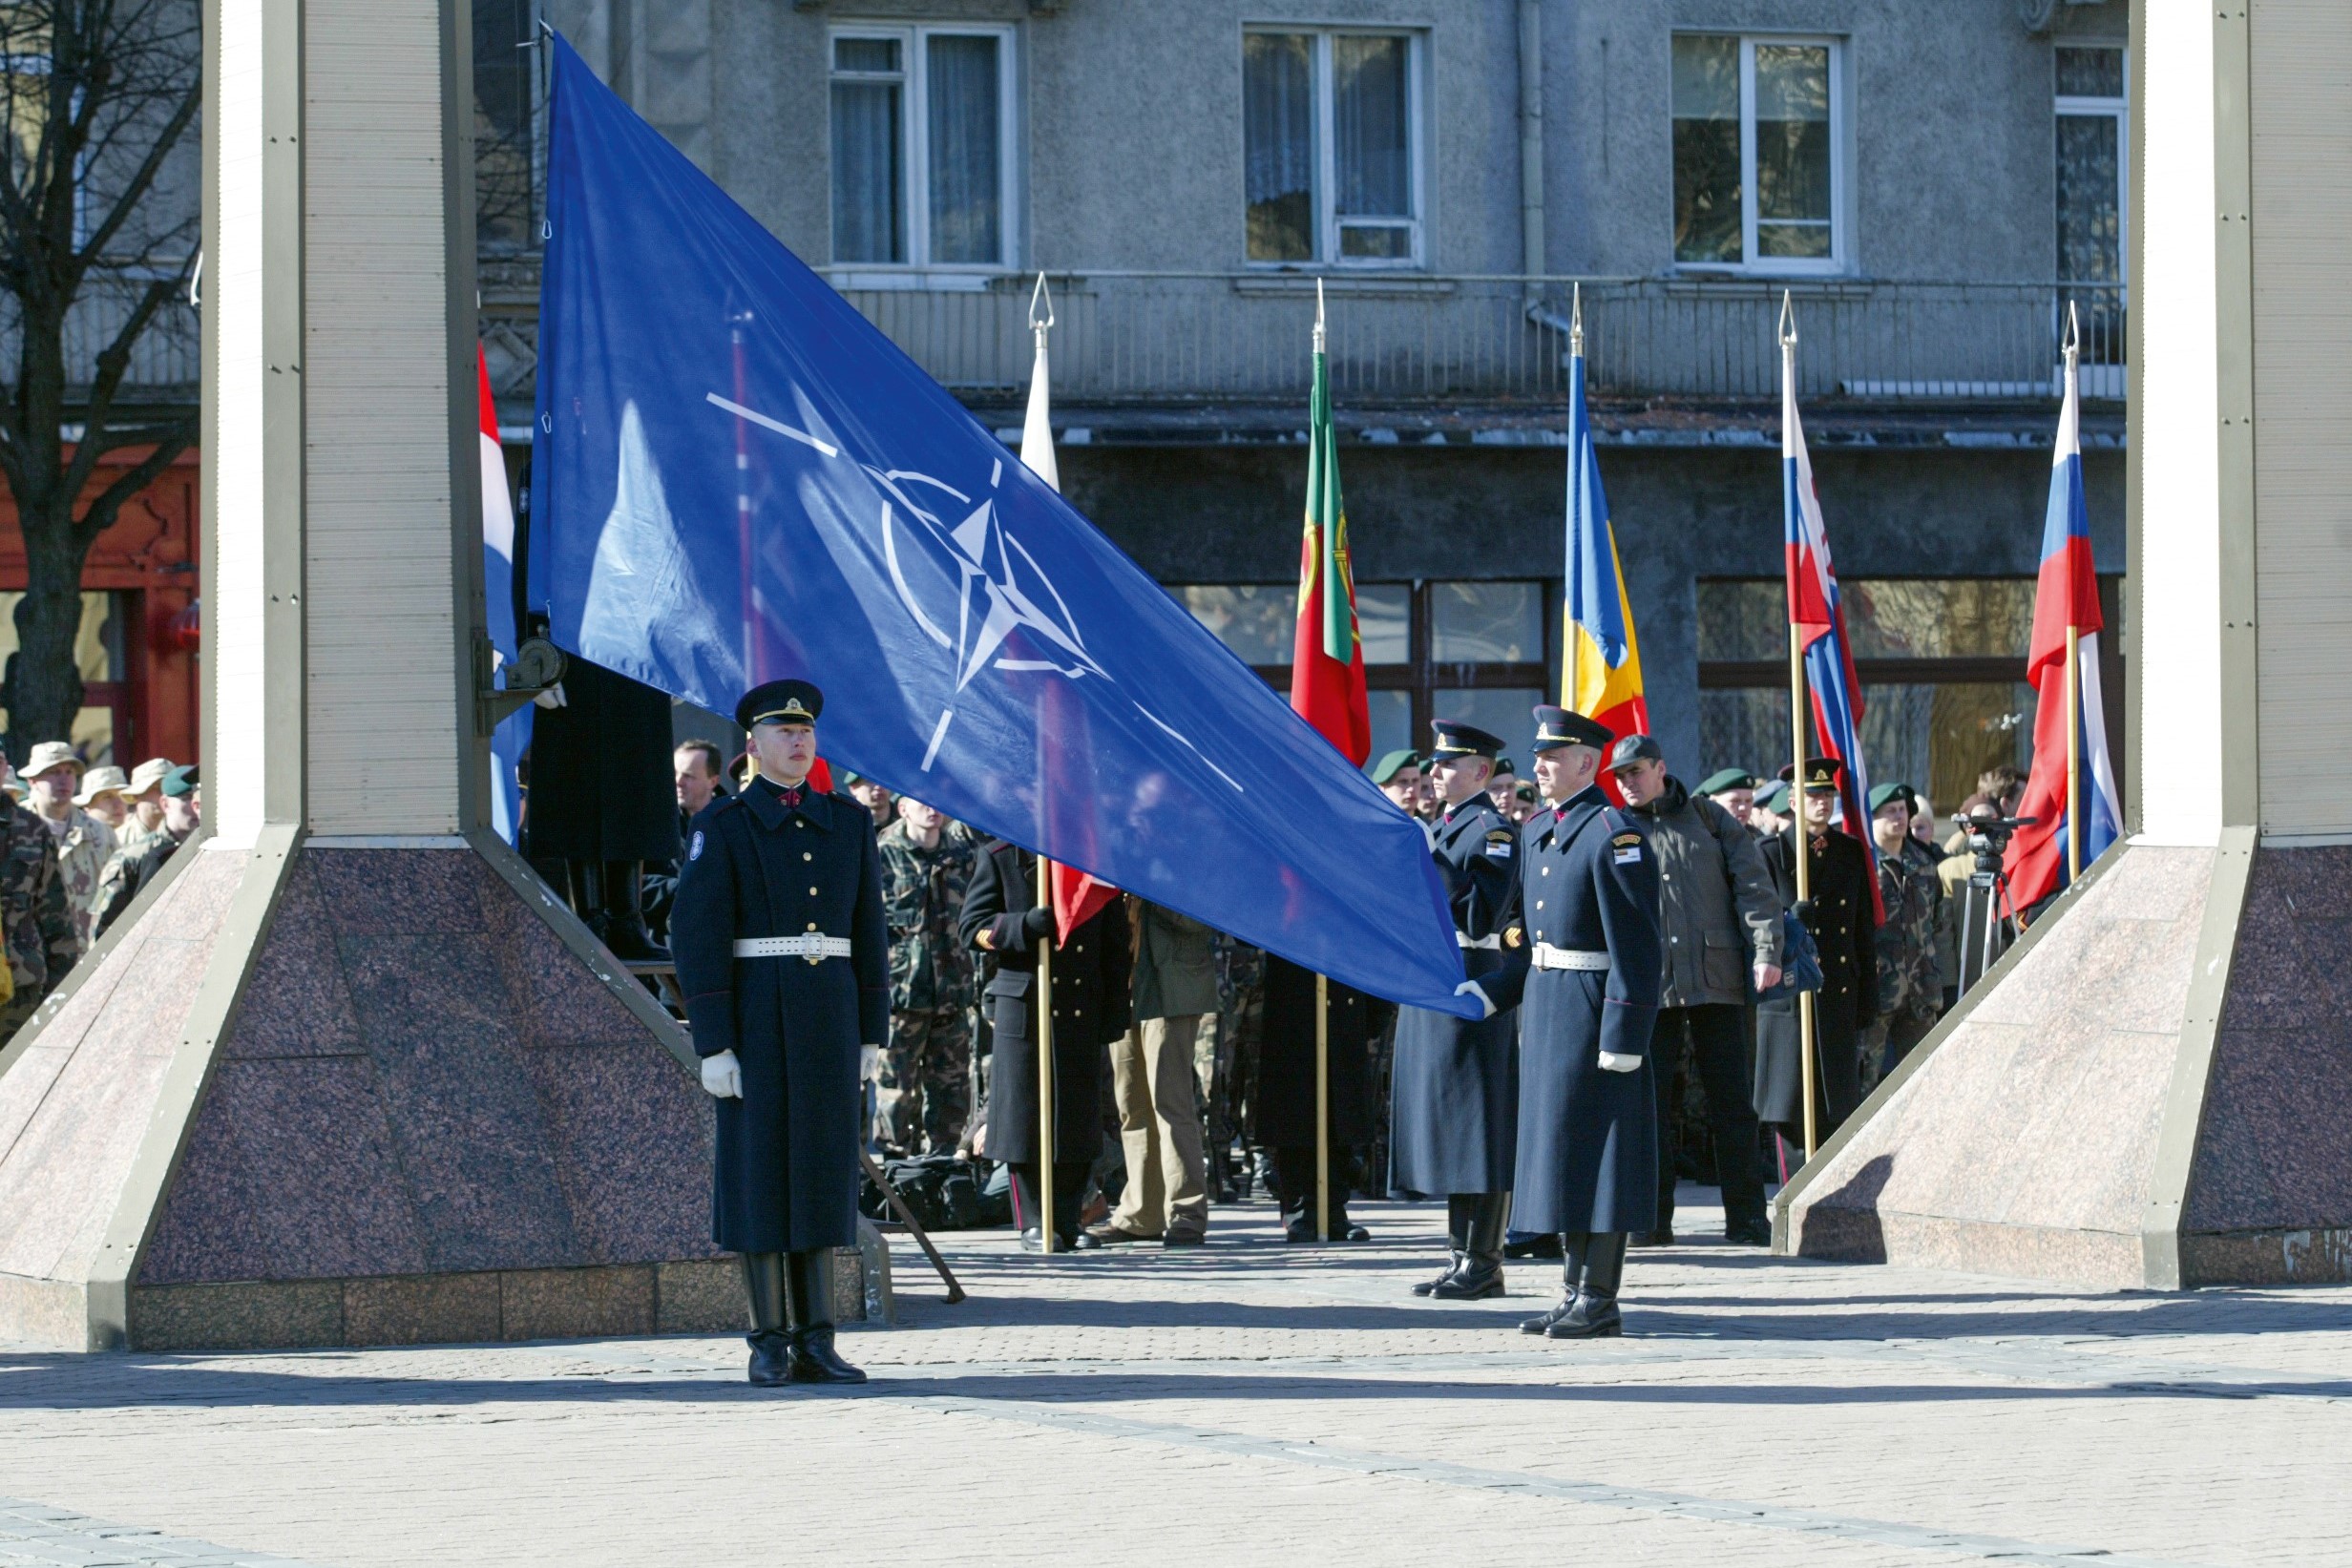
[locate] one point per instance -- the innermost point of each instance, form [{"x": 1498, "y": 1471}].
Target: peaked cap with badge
[
  {"x": 1456, "y": 739},
  {"x": 1556, "y": 727},
  {"x": 780, "y": 702},
  {"x": 1820, "y": 773}
]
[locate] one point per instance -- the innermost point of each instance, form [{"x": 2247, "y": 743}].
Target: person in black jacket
[
  {"x": 1844, "y": 919},
  {"x": 180, "y": 824},
  {"x": 1091, "y": 1003}
]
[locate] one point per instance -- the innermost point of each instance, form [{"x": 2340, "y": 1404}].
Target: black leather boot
[
  {"x": 770, "y": 1338},
  {"x": 1595, "y": 1316},
  {"x": 1481, "y": 1274},
  {"x": 1458, "y": 1210},
  {"x": 625, "y": 931},
  {"x": 1573, "y": 1245},
  {"x": 810, "y": 1278}
]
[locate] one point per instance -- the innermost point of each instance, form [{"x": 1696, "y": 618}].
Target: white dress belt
[
  {"x": 1491, "y": 942},
  {"x": 1547, "y": 956},
  {"x": 811, "y": 945}
]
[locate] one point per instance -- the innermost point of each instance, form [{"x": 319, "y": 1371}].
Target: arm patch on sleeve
[{"x": 694, "y": 850}]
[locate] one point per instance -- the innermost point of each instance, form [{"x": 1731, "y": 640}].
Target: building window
[
  {"x": 1759, "y": 163},
  {"x": 504, "y": 162},
  {"x": 1474, "y": 651},
  {"x": 1330, "y": 146},
  {"x": 922, "y": 145},
  {"x": 1943, "y": 666},
  {"x": 2094, "y": 143}
]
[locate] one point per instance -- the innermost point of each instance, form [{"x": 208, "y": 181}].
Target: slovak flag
[
  {"x": 513, "y": 735},
  {"x": 1821, "y": 624},
  {"x": 2066, "y": 599}
]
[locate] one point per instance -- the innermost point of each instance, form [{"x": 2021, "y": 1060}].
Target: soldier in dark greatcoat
[
  {"x": 1585, "y": 970},
  {"x": 1004, "y": 921},
  {"x": 1283, "y": 1111},
  {"x": 1454, "y": 1083},
  {"x": 1844, "y": 923},
  {"x": 784, "y": 959}
]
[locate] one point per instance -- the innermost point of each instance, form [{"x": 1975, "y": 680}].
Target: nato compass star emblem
[{"x": 997, "y": 586}]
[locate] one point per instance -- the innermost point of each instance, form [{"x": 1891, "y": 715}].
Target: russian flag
[
  {"x": 513, "y": 735},
  {"x": 1603, "y": 678},
  {"x": 2066, "y": 599},
  {"x": 1815, "y": 614}
]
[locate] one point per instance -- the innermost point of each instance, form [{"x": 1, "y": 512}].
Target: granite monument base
[{"x": 2153, "y": 1090}]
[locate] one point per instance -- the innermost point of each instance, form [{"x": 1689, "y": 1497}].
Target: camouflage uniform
[
  {"x": 1225, "y": 1052},
  {"x": 84, "y": 847},
  {"x": 925, "y": 1075},
  {"x": 36, "y": 913},
  {"x": 1910, "y": 980}
]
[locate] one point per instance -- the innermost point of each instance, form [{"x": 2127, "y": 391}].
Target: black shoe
[
  {"x": 1751, "y": 1233},
  {"x": 1652, "y": 1238},
  {"x": 1184, "y": 1238},
  {"x": 1352, "y": 1233},
  {"x": 814, "y": 1361},
  {"x": 1591, "y": 1317},
  {"x": 1105, "y": 1233},
  {"x": 1033, "y": 1240},
  {"x": 1300, "y": 1230},
  {"x": 1429, "y": 1287},
  {"x": 1543, "y": 1324},
  {"x": 1477, "y": 1279},
  {"x": 771, "y": 1359},
  {"x": 1546, "y": 1246}
]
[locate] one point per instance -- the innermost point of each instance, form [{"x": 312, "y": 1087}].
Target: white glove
[
  {"x": 722, "y": 1076},
  {"x": 870, "y": 1063},
  {"x": 1613, "y": 1061},
  {"x": 552, "y": 698},
  {"x": 1471, "y": 988}
]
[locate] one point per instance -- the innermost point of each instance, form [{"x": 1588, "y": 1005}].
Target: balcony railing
[
  {"x": 166, "y": 361},
  {"x": 1192, "y": 337}
]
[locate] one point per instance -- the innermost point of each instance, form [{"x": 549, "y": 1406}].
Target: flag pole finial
[
  {"x": 2073, "y": 346},
  {"x": 1041, "y": 296},
  {"x": 1788, "y": 320},
  {"x": 1318, "y": 315},
  {"x": 1576, "y": 318}
]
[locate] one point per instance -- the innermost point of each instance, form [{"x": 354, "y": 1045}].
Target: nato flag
[{"x": 740, "y": 478}]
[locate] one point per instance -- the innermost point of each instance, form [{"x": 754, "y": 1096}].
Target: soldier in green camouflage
[
  {"x": 925, "y": 1078},
  {"x": 36, "y": 913},
  {"x": 1910, "y": 980},
  {"x": 1224, "y": 1060}
]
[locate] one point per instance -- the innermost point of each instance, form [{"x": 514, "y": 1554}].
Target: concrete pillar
[
  {"x": 2152, "y": 1088},
  {"x": 349, "y": 1074}
]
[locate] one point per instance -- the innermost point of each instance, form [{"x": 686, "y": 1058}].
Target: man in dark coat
[
  {"x": 1454, "y": 1083},
  {"x": 784, "y": 959},
  {"x": 601, "y": 806},
  {"x": 1005, "y": 920},
  {"x": 1283, "y": 1109},
  {"x": 1585, "y": 973},
  {"x": 1844, "y": 925}
]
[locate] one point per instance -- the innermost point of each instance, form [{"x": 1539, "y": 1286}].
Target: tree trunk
[{"x": 42, "y": 680}]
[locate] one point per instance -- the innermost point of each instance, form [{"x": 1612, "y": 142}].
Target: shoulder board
[
  {"x": 1501, "y": 835},
  {"x": 1626, "y": 838}
]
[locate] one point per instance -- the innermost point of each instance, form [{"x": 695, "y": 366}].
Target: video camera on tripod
[{"x": 1988, "y": 916}]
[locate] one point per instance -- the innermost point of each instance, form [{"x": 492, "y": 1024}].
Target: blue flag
[{"x": 737, "y": 477}]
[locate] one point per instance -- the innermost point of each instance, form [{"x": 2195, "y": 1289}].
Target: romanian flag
[
  {"x": 2066, "y": 599},
  {"x": 1820, "y": 622},
  {"x": 1327, "y": 657},
  {"x": 1602, "y": 676}
]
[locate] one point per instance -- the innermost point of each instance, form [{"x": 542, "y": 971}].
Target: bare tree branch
[{"x": 170, "y": 441}]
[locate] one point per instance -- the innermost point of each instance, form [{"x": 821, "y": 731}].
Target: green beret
[
  {"x": 1729, "y": 778},
  {"x": 1880, "y": 794},
  {"x": 1387, "y": 767},
  {"x": 1774, "y": 799}
]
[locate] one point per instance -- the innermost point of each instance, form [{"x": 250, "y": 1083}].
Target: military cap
[
  {"x": 149, "y": 774},
  {"x": 1635, "y": 748},
  {"x": 1774, "y": 798},
  {"x": 1392, "y": 763},
  {"x": 1525, "y": 792},
  {"x": 50, "y": 754},
  {"x": 786, "y": 702},
  {"x": 1880, "y": 794},
  {"x": 1504, "y": 765},
  {"x": 1727, "y": 778},
  {"x": 100, "y": 780},
  {"x": 1556, "y": 728},
  {"x": 1456, "y": 739},
  {"x": 1820, "y": 773},
  {"x": 181, "y": 780}
]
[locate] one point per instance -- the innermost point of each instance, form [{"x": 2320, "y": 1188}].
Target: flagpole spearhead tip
[
  {"x": 1787, "y": 319},
  {"x": 1041, "y": 296},
  {"x": 1318, "y": 315},
  {"x": 1576, "y": 318}
]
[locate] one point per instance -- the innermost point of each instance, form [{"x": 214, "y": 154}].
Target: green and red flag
[{"x": 1326, "y": 658}]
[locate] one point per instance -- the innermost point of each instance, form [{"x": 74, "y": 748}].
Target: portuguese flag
[{"x": 1326, "y": 658}]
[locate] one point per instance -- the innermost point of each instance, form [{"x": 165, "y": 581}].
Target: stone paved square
[{"x": 1250, "y": 1402}]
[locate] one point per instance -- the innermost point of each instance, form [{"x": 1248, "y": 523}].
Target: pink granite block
[
  {"x": 296, "y": 1003},
  {"x": 2315, "y": 883},
  {"x": 567, "y": 1003},
  {"x": 2162, "y": 884},
  {"x": 2087, "y": 1162},
  {"x": 59, "y": 1185},
  {"x": 25, "y": 1087},
  {"x": 152, "y": 1001},
  {"x": 632, "y": 1139},
  {"x": 388, "y": 892},
  {"x": 289, "y": 1173}
]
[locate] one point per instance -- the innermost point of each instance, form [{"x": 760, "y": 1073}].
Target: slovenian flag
[
  {"x": 2066, "y": 599},
  {"x": 1602, "y": 677},
  {"x": 1821, "y": 624}
]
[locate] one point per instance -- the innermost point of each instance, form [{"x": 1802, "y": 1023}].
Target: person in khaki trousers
[{"x": 1166, "y": 1196}]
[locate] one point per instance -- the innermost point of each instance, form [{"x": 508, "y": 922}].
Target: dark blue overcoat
[
  {"x": 1587, "y": 1138},
  {"x": 787, "y": 1169},
  {"x": 1453, "y": 1084}
]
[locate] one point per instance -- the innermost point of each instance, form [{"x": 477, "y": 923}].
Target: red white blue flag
[
  {"x": 1821, "y": 624},
  {"x": 2066, "y": 599}
]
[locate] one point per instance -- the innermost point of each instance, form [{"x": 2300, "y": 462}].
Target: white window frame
[
  {"x": 2117, "y": 109},
  {"x": 1840, "y": 258},
  {"x": 913, "y": 130},
  {"x": 1327, "y": 220}
]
